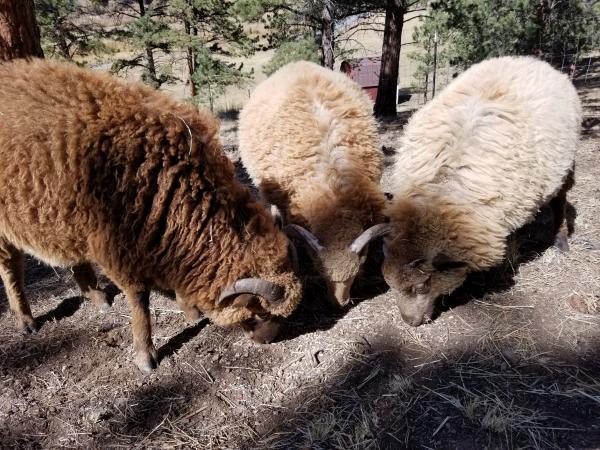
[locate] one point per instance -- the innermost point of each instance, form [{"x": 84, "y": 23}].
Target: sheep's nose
[
  {"x": 341, "y": 292},
  {"x": 265, "y": 332},
  {"x": 413, "y": 320}
]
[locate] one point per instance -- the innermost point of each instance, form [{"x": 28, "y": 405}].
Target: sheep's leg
[
  {"x": 88, "y": 283},
  {"x": 11, "y": 271},
  {"x": 146, "y": 357},
  {"x": 559, "y": 209},
  {"x": 562, "y": 231}
]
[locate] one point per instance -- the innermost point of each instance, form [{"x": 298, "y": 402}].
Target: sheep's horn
[
  {"x": 271, "y": 292},
  {"x": 297, "y": 231},
  {"x": 368, "y": 235},
  {"x": 293, "y": 256}
]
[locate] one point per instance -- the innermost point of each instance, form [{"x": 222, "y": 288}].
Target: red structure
[{"x": 365, "y": 71}]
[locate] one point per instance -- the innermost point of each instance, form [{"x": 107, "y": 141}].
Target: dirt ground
[{"x": 511, "y": 362}]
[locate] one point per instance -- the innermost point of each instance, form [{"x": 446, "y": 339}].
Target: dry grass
[{"x": 514, "y": 364}]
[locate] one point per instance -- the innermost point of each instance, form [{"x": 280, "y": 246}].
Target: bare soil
[{"x": 512, "y": 361}]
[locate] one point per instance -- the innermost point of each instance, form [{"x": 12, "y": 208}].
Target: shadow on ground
[
  {"x": 185, "y": 336},
  {"x": 378, "y": 398},
  {"x": 525, "y": 245},
  {"x": 475, "y": 400},
  {"x": 316, "y": 312}
]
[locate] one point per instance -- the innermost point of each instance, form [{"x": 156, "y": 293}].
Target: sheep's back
[
  {"x": 86, "y": 154},
  {"x": 500, "y": 138},
  {"x": 307, "y": 127}
]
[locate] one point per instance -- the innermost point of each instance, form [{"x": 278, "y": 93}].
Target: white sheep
[
  {"x": 475, "y": 164},
  {"x": 309, "y": 142}
]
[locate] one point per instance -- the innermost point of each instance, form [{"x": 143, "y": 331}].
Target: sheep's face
[
  {"x": 258, "y": 324},
  {"x": 262, "y": 329},
  {"x": 420, "y": 276},
  {"x": 338, "y": 265},
  {"x": 267, "y": 318},
  {"x": 260, "y": 303}
]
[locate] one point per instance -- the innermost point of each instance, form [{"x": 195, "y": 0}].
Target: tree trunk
[
  {"x": 150, "y": 65},
  {"x": 327, "y": 22},
  {"x": 19, "y": 33},
  {"x": 190, "y": 56},
  {"x": 385, "y": 104},
  {"x": 543, "y": 22},
  {"x": 63, "y": 46}
]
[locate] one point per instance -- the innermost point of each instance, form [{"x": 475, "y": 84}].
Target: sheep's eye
[
  {"x": 420, "y": 288},
  {"x": 423, "y": 288},
  {"x": 415, "y": 263}
]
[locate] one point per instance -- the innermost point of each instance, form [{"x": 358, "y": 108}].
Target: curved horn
[
  {"x": 368, "y": 235},
  {"x": 297, "y": 231},
  {"x": 293, "y": 256},
  {"x": 271, "y": 292}
]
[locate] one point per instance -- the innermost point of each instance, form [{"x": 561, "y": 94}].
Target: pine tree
[
  {"x": 481, "y": 29},
  {"x": 302, "y": 49},
  {"x": 68, "y": 30},
  {"x": 148, "y": 31},
  {"x": 424, "y": 36},
  {"x": 212, "y": 35}
]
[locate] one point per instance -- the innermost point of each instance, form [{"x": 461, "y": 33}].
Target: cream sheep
[
  {"x": 475, "y": 164},
  {"x": 309, "y": 143},
  {"x": 99, "y": 171}
]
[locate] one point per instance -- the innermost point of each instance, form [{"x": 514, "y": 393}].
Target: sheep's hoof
[
  {"x": 27, "y": 325},
  {"x": 561, "y": 242},
  {"x": 146, "y": 361}
]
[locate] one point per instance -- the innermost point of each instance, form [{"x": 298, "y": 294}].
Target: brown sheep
[
  {"x": 309, "y": 141},
  {"x": 100, "y": 171}
]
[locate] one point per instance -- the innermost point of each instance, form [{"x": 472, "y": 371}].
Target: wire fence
[{"x": 417, "y": 86}]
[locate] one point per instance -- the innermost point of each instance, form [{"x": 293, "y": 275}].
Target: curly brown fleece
[{"x": 96, "y": 170}]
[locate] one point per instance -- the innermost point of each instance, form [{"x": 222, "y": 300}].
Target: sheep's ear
[
  {"x": 386, "y": 250},
  {"x": 243, "y": 300},
  {"x": 442, "y": 262}
]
